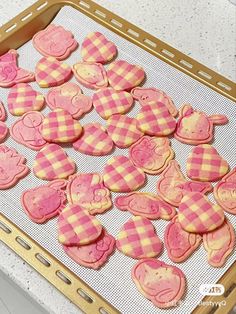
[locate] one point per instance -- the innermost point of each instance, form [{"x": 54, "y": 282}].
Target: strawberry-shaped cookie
[
  {"x": 205, "y": 164},
  {"x": 27, "y": 130},
  {"x": 97, "y": 48},
  {"x": 10, "y": 73},
  {"x": 124, "y": 76},
  {"x": 138, "y": 239},
  {"x": 94, "y": 141},
  {"x": 147, "y": 205},
  {"x": 152, "y": 154},
  {"x": 225, "y": 192},
  {"x": 3, "y": 114},
  {"x": 108, "y": 102},
  {"x": 195, "y": 127},
  {"x": 3, "y": 131},
  {"x": 88, "y": 190},
  {"x": 77, "y": 227},
  {"x": 44, "y": 202}
]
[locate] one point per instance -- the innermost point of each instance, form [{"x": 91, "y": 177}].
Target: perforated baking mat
[{"x": 113, "y": 281}]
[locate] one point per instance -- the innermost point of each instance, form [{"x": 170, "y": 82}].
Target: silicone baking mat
[{"x": 113, "y": 281}]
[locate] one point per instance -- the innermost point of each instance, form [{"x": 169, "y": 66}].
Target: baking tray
[{"x": 16, "y": 33}]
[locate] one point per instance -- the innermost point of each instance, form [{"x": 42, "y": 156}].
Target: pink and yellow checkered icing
[
  {"x": 94, "y": 141},
  {"x": 96, "y": 48},
  {"x": 52, "y": 162},
  {"x": 108, "y": 102},
  {"x": 123, "y": 130},
  {"x": 205, "y": 164},
  {"x": 138, "y": 239},
  {"x": 3, "y": 114},
  {"x": 155, "y": 120},
  {"x": 124, "y": 76},
  {"x": 77, "y": 227},
  {"x": 50, "y": 72},
  {"x": 59, "y": 127},
  {"x": 3, "y": 131},
  {"x": 23, "y": 98},
  {"x": 120, "y": 175},
  {"x": 198, "y": 214}
]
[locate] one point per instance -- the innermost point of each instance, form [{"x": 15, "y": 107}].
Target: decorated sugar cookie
[
  {"x": 3, "y": 114},
  {"x": 3, "y": 131}
]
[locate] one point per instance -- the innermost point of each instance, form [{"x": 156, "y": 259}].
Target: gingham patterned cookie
[
  {"x": 90, "y": 74},
  {"x": 156, "y": 120},
  {"x": 96, "y": 48},
  {"x": 120, "y": 175},
  {"x": 198, "y": 215},
  {"x": 108, "y": 102},
  {"x": 50, "y": 72},
  {"x": 3, "y": 131},
  {"x": 23, "y": 98},
  {"x": 152, "y": 154},
  {"x": 59, "y": 127},
  {"x": 77, "y": 227},
  {"x": 3, "y": 114},
  {"x": 94, "y": 141},
  {"x": 150, "y": 96},
  {"x": 138, "y": 239},
  {"x": 88, "y": 190},
  {"x": 123, "y": 130},
  {"x": 52, "y": 162},
  {"x": 124, "y": 76},
  {"x": 10, "y": 73},
  {"x": 205, "y": 164}
]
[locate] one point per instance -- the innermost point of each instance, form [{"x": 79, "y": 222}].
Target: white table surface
[{"x": 204, "y": 30}]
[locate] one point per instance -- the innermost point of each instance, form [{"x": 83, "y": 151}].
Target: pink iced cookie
[
  {"x": 108, "y": 102},
  {"x": 50, "y": 72},
  {"x": 225, "y": 192},
  {"x": 179, "y": 243},
  {"x": 147, "y": 205},
  {"x": 52, "y": 162},
  {"x": 12, "y": 167},
  {"x": 96, "y": 48},
  {"x": 152, "y": 154},
  {"x": 138, "y": 239},
  {"x": 69, "y": 97},
  {"x": 93, "y": 255},
  {"x": 27, "y": 130},
  {"x": 3, "y": 114},
  {"x": 172, "y": 185},
  {"x": 150, "y": 96},
  {"x": 156, "y": 120},
  {"x": 88, "y": 190},
  {"x": 124, "y": 76},
  {"x": 3, "y": 131},
  {"x": 219, "y": 244},
  {"x": 55, "y": 41},
  {"x": 90, "y": 74},
  {"x": 94, "y": 141},
  {"x": 120, "y": 175},
  {"x": 195, "y": 127},
  {"x": 123, "y": 130},
  {"x": 10, "y": 73},
  {"x": 77, "y": 227},
  {"x": 44, "y": 202},
  {"x": 161, "y": 283}
]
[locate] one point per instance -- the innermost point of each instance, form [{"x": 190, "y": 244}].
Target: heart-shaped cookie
[
  {"x": 198, "y": 214},
  {"x": 108, "y": 102},
  {"x": 123, "y": 130},
  {"x": 94, "y": 141},
  {"x": 23, "y": 98},
  {"x": 3, "y": 114},
  {"x": 156, "y": 120},
  {"x": 27, "y": 130},
  {"x": 124, "y": 76},
  {"x": 138, "y": 239},
  {"x": 120, "y": 175},
  {"x": 70, "y": 98},
  {"x": 50, "y": 72},
  {"x": 52, "y": 162},
  {"x": 96, "y": 48},
  {"x": 3, "y": 131},
  {"x": 59, "y": 127},
  {"x": 204, "y": 163},
  {"x": 77, "y": 227}
]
